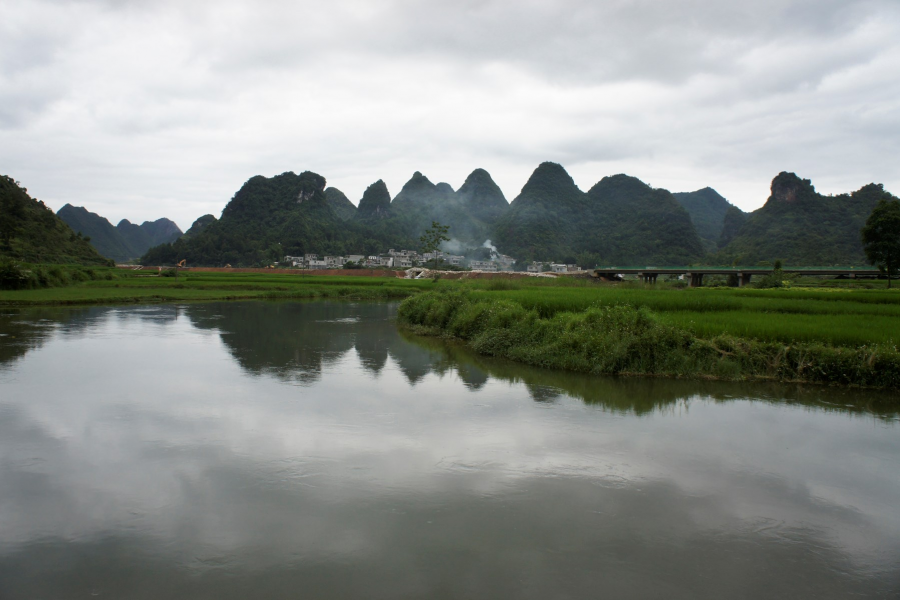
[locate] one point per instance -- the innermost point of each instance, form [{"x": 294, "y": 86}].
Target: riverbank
[
  {"x": 124, "y": 287},
  {"x": 607, "y": 334}
]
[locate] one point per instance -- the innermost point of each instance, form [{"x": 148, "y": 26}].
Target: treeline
[{"x": 30, "y": 231}]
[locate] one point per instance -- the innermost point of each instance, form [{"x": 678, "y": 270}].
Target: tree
[
  {"x": 432, "y": 238},
  {"x": 12, "y": 212},
  {"x": 881, "y": 237}
]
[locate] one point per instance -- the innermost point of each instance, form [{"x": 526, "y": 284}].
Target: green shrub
[{"x": 622, "y": 339}]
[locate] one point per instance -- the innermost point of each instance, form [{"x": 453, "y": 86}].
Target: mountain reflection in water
[{"x": 314, "y": 450}]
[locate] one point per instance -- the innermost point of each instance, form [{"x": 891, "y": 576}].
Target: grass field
[
  {"x": 137, "y": 286},
  {"x": 846, "y": 317},
  {"x": 721, "y": 334},
  {"x": 840, "y": 316}
]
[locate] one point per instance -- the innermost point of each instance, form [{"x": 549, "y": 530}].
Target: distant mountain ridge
[
  {"x": 125, "y": 241},
  {"x": 802, "y": 227},
  {"x": 707, "y": 209},
  {"x": 619, "y": 221}
]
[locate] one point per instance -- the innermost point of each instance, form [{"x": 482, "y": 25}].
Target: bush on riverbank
[
  {"x": 17, "y": 276},
  {"x": 621, "y": 339}
]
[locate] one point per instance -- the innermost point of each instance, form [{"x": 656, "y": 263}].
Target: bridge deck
[
  {"x": 864, "y": 271},
  {"x": 743, "y": 274}
]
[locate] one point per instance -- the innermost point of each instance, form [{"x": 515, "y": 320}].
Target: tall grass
[{"x": 623, "y": 339}]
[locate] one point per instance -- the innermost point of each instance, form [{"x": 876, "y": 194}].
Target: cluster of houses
[
  {"x": 394, "y": 259},
  {"x": 539, "y": 267},
  {"x": 404, "y": 259}
]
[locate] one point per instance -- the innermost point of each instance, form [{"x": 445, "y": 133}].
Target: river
[{"x": 312, "y": 450}]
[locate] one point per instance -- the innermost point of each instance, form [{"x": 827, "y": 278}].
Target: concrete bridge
[{"x": 695, "y": 274}]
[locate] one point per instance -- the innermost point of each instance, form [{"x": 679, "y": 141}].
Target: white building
[{"x": 483, "y": 265}]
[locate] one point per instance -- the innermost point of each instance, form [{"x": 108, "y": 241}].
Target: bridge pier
[
  {"x": 744, "y": 279},
  {"x": 696, "y": 279},
  {"x": 648, "y": 277}
]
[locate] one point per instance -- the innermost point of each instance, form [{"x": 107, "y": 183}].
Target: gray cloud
[{"x": 141, "y": 110}]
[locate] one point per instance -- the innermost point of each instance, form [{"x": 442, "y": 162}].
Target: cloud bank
[{"x": 141, "y": 110}]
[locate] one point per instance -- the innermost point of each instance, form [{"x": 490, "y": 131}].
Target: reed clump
[{"x": 623, "y": 339}]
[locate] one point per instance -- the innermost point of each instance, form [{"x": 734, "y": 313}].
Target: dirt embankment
[
  {"x": 415, "y": 272},
  {"x": 352, "y": 272}
]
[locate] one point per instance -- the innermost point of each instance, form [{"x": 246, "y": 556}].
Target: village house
[{"x": 483, "y": 265}]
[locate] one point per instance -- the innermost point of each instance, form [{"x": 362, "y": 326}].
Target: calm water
[{"x": 310, "y": 450}]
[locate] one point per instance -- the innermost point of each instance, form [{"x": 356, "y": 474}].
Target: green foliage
[
  {"x": 470, "y": 212},
  {"x": 30, "y": 232},
  {"x": 123, "y": 242},
  {"x": 623, "y": 339},
  {"x": 621, "y": 220},
  {"x": 19, "y": 276},
  {"x": 803, "y": 227},
  {"x": 269, "y": 218},
  {"x": 340, "y": 204},
  {"x": 732, "y": 222},
  {"x": 881, "y": 237},
  {"x": 199, "y": 224},
  {"x": 707, "y": 210},
  {"x": 431, "y": 240}
]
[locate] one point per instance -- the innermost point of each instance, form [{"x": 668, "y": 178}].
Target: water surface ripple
[{"x": 312, "y": 450}]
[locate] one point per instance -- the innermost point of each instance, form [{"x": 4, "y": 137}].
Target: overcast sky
[{"x": 141, "y": 110}]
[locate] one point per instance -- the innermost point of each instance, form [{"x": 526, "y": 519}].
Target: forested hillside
[
  {"x": 470, "y": 213},
  {"x": 621, "y": 220},
  {"x": 542, "y": 221},
  {"x": 269, "y": 218},
  {"x": 199, "y": 224},
  {"x": 104, "y": 237},
  {"x": 632, "y": 223},
  {"x": 148, "y": 234},
  {"x": 123, "y": 242},
  {"x": 801, "y": 227},
  {"x": 31, "y": 232},
  {"x": 707, "y": 209},
  {"x": 340, "y": 204}
]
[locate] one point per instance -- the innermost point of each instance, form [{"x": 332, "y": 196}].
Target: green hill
[
  {"x": 123, "y": 242},
  {"x": 340, "y": 204},
  {"x": 375, "y": 203},
  {"x": 31, "y": 232},
  {"x": 268, "y": 218},
  {"x": 621, "y": 220},
  {"x": 707, "y": 209},
  {"x": 199, "y": 224},
  {"x": 148, "y": 234},
  {"x": 543, "y": 221},
  {"x": 731, "y": 225},
  {"x": 108, "y": 240},
  {"x": 802, "y": 227},
  {"x": 630, "y": 222},
  {"x": 470, "y": 212}
]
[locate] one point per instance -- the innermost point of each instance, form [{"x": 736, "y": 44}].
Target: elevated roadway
[{"x": 743, "y": 274}]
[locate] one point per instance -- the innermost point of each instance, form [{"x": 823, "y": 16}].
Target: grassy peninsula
[
  {"x": 839, "y": 335},
  {"x": 822, "y": 336}
]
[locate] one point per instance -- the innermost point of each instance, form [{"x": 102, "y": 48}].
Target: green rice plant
[{"x": 623, "y": 339}]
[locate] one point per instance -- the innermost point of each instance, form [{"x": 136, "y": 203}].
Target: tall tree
[
  {"x": 12, "y": 211},
  {"x": 881, "y": 237},
  {"x": 432, "y": 238}
]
